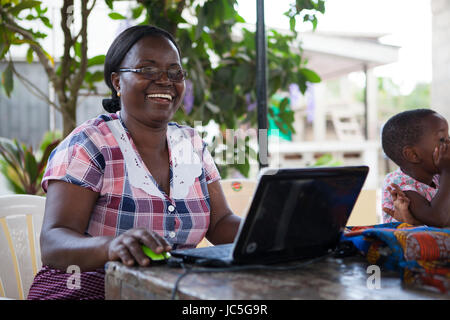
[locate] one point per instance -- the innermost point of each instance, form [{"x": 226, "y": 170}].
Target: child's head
[{"x": 410, "y": 137}]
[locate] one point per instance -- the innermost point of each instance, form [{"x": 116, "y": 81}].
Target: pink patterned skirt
[{"x": 53, "y": 284}]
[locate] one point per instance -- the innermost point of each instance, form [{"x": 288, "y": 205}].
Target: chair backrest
[
  {"x": 239, "y": 193},
  {"x": 21, "y": 219},
  {"x": 365, "y": 210}
]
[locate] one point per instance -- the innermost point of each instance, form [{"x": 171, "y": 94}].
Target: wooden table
[{"x": 330, "y": 278}]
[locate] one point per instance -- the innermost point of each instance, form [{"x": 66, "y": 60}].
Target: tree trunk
[{"x": 69, "y": 118}]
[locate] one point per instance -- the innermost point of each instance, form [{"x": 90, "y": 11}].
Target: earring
[{"x": 118, "y": 94}]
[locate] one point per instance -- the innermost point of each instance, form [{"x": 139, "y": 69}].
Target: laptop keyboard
[{"x": 222, "y": 251}]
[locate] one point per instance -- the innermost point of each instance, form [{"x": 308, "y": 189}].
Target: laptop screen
[{"x": 300, "y": 214}]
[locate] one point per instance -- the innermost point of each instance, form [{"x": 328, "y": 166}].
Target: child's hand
[
  {"x": 401, "y": 206},
  {"x": 441, "y": 156}
]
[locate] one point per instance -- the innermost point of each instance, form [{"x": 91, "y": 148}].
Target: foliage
[
  {"x": 22, "y": 168},
  {"x": 220, "y": 62},
  {"x": 391, "y": 100},
  {"x": 72, "y": 72},
  {"x": 326, "y": 160}
]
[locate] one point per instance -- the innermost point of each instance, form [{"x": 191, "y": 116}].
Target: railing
[{"x": 301, "y": 154}]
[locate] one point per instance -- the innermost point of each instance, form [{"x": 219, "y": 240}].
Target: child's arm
[
  {"x": 401, "y": 206},
  {"x": 437, "y": 212}
]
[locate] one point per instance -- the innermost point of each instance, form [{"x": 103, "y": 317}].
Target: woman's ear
[
  {"x": 410, "y": 154},
  {"x": 115, "y": 80}
]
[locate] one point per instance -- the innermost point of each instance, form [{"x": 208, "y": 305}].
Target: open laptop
[{"x": 294, "y": 214}]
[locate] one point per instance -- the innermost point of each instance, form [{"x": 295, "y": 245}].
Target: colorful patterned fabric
[
  {"x": 406, "y": 183},
  {"x": 421, "y": 255},
  {"x": 100, "y": 155}
]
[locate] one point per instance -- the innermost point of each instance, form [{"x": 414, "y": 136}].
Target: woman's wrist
[{"x": 104, "y": 243}]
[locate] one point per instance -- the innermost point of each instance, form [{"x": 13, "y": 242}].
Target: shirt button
[
  {"x": 171, "y": 208},
  {"x": 172, "y": 234}
]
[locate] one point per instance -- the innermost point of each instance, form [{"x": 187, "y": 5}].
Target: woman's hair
[
  {"x": 401, "y": 130},
  {"x": 119, "y": 49}
]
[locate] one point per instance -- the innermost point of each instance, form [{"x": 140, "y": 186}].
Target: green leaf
[
  {"x": 310, "y": 75},
  {"x": 30, "y": 55},
  {"x": 239, "y": 18},
  {"x": 136, "y": 12},
  {"x": 97, "y": 60},
  {"x": 116, "y": 16},
  {"x": 3, "y": 48},
  {"x": 40, "y": 11},
  {"x": 48, "y": 139},
  {"x": 109, "y": 3},
  {"x": 292, "y": 23},
  {"x": 22, "y": 6},
  {"x": 31, "y": 167},
  {"x": 46, "y": 22},
  {"x": 7, "y": 79},
  {"x": 97, "y": 76},
  {"x": 77, "y": 49},
  {"x": 13, "y": 183},
  {"x": 47, "y": 151}
]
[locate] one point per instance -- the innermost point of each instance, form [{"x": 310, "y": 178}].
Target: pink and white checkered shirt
[
  {"x": 406, "y": 183},
  {"x": 91, "y": 157},
  {"x": 100, "y": 155}
]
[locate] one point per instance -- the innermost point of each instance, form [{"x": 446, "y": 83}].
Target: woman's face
[{"x": 151, "y": 102}]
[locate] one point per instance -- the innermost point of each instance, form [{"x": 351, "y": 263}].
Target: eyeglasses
[{"x": 151, "y": 73}]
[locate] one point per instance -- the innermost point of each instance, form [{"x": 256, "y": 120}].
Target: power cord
[{"x": 191, "y": 270}]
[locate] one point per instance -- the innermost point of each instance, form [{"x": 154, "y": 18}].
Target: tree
[
  {"x": 220, "y": 63},
  {"x": 68, "y": 76}
]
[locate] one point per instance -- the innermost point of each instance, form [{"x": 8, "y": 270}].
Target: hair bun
[{"x": 111, "y": 105}]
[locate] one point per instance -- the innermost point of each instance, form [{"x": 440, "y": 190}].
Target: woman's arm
[
  {"x": 63, "y": 242},
  {"x": 223, "y": 225}
]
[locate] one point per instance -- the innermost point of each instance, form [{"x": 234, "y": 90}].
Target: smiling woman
[
  {"x": 131, "y": 177},
  {"x": 148, "y": 94}
]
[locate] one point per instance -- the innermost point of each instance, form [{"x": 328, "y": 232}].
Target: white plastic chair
[{"x": 21, "y": 219}]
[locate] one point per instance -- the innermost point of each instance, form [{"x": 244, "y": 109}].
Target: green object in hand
[{"x": 155, "y": 256}]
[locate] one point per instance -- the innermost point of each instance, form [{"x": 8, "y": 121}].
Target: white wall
[{"x": 440, "y": 93}]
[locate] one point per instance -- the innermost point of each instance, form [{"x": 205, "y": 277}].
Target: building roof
[{"x": 335, "y": 54}]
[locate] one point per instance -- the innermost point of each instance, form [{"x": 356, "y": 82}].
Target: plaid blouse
[
  {"x": 406, "y": 183},
  {"x": 100, "y": 155}
]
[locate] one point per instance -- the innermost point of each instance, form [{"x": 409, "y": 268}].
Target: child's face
[{"x": 435, "y": 133}]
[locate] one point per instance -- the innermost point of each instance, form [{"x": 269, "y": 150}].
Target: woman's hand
[{"x": 127, "y": 246}]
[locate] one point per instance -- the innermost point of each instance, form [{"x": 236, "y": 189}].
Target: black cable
[{"x": 190, "y": 270}]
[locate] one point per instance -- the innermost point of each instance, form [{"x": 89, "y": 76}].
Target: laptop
[{"x": 294, "y": 214}]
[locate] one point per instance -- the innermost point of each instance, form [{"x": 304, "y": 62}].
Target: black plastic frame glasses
[{"x": 151, "y": 73}]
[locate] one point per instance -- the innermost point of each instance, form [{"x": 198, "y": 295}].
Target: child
[{"x": 418, "y": 142}]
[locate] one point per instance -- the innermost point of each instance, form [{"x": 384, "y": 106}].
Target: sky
[{"x": 406, "y": 23}]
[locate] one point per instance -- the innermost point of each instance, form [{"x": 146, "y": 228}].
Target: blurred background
[{"x": 361, "y": 62}]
